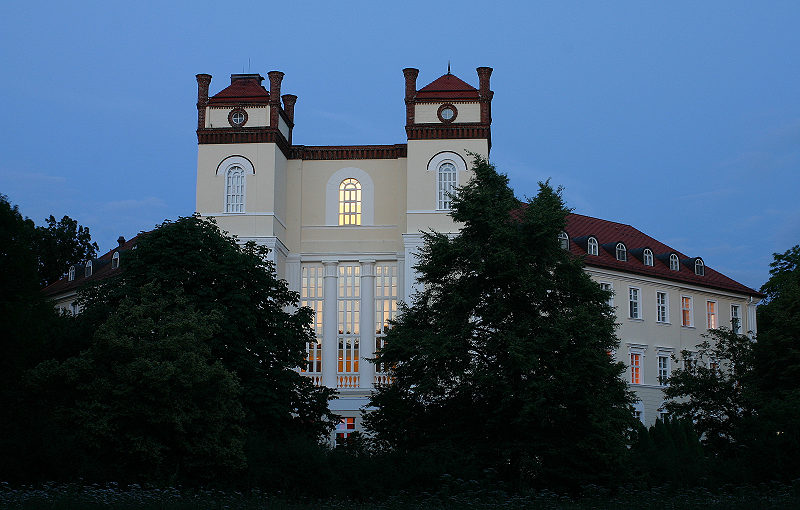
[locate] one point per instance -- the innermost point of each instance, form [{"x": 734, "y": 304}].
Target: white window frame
[
  {"x": 563, "y": 240},
  {"x": 350, "y": 203},
  {"x": 115, "y": 260},
  {"x": 446, "y": 183},
  {"x": 71, "y": 274},
  {"x": 636, "y": 369},
  {"x": 712, "y": 314},
  {"x": 434, "y": 166},
  {"x": 87, "y": 269},
  {"x": 699, "y": 267},
  {"x": 674, "y": 262},
  {"x": 664, "y": 369},
  {"x": 386, "y": 288},
  {"x": 662, "y": 318},
  {"x": 609, "y": 287},
  {"x": 621, "y": 252},
  {"x": 592, "y": 246},
  {"x": 647, "y": 257},
  {"x": 348, "y": 324},
  {"x": 332, "y": 196},
  {"x": 311, "y": 295},
  {"x": 635, "y": 305},
  {"x": 690, "y": 310},
  {"x": 227, "y": 165},
  {"x": 736, "y": 313}
]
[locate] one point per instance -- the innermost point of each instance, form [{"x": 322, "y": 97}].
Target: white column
[
  {"x": 411, "y": 245},
  {"x": 752, "y": 327},
  {"x": 401, "y": 277},
  {"x": 293, "y": 272},
  {"x": 330, "y": 325},
  {"x": 366, "y": 348}
]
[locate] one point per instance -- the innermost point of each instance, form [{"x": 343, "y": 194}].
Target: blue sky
[{"x": 679, "y": 118}]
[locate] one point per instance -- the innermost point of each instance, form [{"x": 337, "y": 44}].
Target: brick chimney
[
  {"x": 275, "y": 78},
  {"x": 203, "y": 81},
  {"x": 411, "y": 91},
  {"x": 484, "y": 73}
]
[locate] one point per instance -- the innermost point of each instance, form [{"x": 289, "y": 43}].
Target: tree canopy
[
  {"x": 503, "y": 360},
  {"x": 61, "y": 244}
]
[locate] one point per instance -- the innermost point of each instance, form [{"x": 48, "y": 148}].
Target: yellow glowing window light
[{"x": 350, "y": 202}]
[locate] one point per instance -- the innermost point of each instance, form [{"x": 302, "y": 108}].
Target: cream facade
[{"x": 343, "y": 225}]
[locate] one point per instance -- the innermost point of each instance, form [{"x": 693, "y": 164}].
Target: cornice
[
  {"x": 448, "y": 131},
  {"x": 243, "y": 135},
  {"x": 334, "y": 152}
]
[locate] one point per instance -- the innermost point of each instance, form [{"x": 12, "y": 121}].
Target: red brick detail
[
  {"x": 451, "y": 119},
  {"x": 349, "y": 152},
  {"x": 203, "y": 82},
  {"x": 275, "y": 78},
  {"x": 244, "y": 135},
  {"x": 484, "y": 73},
  {"x": 455, "y": 131},
  {"x": 411, "y": 91}
]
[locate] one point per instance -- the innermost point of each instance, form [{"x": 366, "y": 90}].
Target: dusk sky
[{"x": 679, "y": 118}]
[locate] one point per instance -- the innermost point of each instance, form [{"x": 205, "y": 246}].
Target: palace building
[{"x": 343, "y": 225}]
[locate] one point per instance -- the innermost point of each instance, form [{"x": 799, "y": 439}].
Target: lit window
[
  {"x": 592, "y": 246},
  {"x": 385, "y": 310},
  {"x": 349, "y": 322},
  {"x": 622, "y": 253},
  {"x": 71, "y": 275},
  {"x": 674, "y": 264},
  {"x": 662, "y": 307},
  {"x": 563, "y": 240},
  {"x": 234, "y": 189},
  {"x": 736, "y": 319},
  {"x": 699, "y": 268},
  {"x": 634, "y": 307},
  {"x": 663, "y": 369},
  {"x": 350, "y": 202},
  {"x": 312, "y": 297},
  {"x": 648, "y": 257},
  {"x": 445, "y": 185},
  {"x": 636, "y": 368},
  {"x": 610, "y": 288},
  {"x": 711, "y": 313},
  {"x": 115, "y": 260},
  {"x": 87, "y": 270},
  {"x": 686, "y": 311},
  {"x": 344, "y": 428}
]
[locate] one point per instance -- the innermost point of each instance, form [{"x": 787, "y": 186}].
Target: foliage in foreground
[{"x": 501, "y": 361}]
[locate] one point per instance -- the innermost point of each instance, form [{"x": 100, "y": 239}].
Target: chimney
[
  {"x": 275, "y": 78},
  {"x": 411, "y": 91},
  {"x": 203, "y": 81},
  {"x": 485, "y": 94},
  {"x": 121, "y": 239},
  {"x": 288, "y": 106}
]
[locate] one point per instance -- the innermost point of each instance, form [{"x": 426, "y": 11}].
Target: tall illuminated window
[
  {"x": 349, "y": 315},
  {"x": 385, "y": 309},
  {"x": 711, "y": 313},
  {"x": 350, "y": 202},
  {"x": 234, "y": 190},
  {"x": 686, "y": 311},
  {"x": 445, "y": 184},
  {"x": 345, "y": 427},
  {"x": 636, "y": 368},
  {"x": 312, "y": 297}
]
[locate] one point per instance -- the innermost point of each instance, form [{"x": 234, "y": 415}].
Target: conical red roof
[{"x": 448, "y": 86}]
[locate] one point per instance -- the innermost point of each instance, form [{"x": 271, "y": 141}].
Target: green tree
[
  {"x": 61, "y": 244},
  {"x": 715, "y": 390},
  {"x": 502, "y": 360},
  {"x": 146, "y": 400}
]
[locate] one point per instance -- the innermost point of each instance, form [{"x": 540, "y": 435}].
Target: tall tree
[
  {"x": 502, "y": 360},
  {"x": 61, "y": 244}
]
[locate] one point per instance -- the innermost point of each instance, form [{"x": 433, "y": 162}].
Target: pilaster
[{"x": 329, "y": 323}]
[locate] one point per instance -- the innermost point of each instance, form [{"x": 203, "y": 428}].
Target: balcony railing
[{"x": 347, "y": 381}]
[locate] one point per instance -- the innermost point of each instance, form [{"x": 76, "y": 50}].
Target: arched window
[
  {"x": 563, "y": 240},
  {"x": 699, "y": 267},
  {"x": 648, "y": 257},
  {"x": 592, "y": 246},
  {"x": 115, "y": 260},
  {"x": 71, "y": 276},
  {"x": 87, "y": 269},
  {"x": 673, "y": 262},
  {"x": 445, "y": 185},
  {"x": 622, "y": 253},
  {"x": 234, "y": 189},
  {"x": 350, "y": 202}
]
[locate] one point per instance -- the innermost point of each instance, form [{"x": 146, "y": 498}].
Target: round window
[
  {"x": 447, "y": 113},
  {"x": 237, "y": 117}
]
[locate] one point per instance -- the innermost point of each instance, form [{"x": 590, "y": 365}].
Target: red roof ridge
[{"x": 448, "y": 86}]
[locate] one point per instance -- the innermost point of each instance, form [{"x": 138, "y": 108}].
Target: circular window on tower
[
  {"x": 237, "y": 117},
  {"x": 447, "y": 113}
]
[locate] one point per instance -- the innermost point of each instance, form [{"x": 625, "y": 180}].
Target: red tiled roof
[
  {"x": 448, "y": 86},
  {"x": 101, "y": 269},
  {"x": 580, "y": 227},
  {"x": 243, "y": 89}
]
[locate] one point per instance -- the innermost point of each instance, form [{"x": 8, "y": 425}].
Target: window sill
[{"x": 635, "y": 319}]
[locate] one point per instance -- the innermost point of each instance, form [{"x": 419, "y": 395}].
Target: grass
[{"x": 53, "y": 496}]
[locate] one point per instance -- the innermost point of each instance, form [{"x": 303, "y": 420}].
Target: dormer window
[
  {"x": 647, "y": 257},
  {"x": 87, "y": 270},
  {"x": 71, "y": 276},
  {"x": 699, "y": 267},
  {"x": 622, "y": 252},
  {"x": 563, "y": 240},
  {"x": 591, "y": 246},
  {"x": 115, "y": 260},
  {"x": 674, "y": 264}
]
